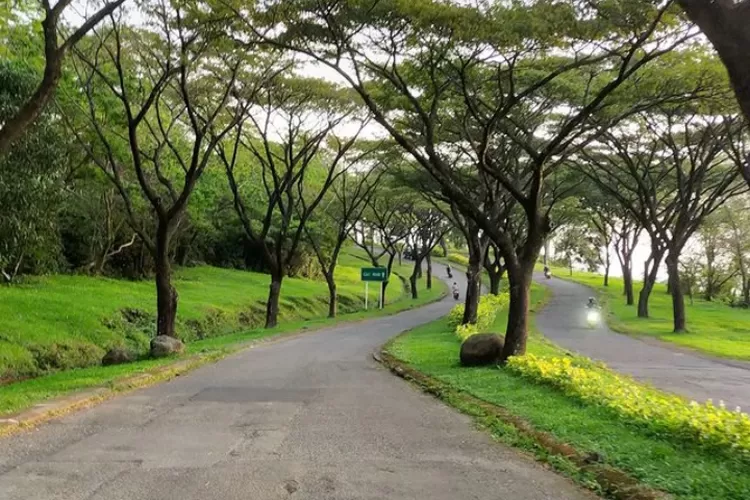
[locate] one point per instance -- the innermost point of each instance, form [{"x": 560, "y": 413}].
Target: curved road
[
  {"x": 675, "y": 370},
  {"x": 311, "y": 417}
]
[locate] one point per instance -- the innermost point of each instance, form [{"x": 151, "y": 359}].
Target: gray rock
[
  {"x": 163, "y": 345},
  {"x": 481, "y": 349},
  {"x": 117, "y": 356}
]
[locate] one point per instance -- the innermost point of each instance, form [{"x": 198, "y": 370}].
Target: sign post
[{"x": 376, "y": 274}]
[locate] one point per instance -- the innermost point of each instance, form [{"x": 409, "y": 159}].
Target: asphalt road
[
  {"x": 312, "y": 417},
  {"x": 695, "y": 377}
]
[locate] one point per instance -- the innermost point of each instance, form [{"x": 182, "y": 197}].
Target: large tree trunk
[
  {"x": 627, "y": 279},
  {"x": 332, "y": 296},
  {"x": 678, "y": 299},
  {"x": 648, "y": 284},
  {"x": 272, "y": 305},
  {"x": 473, "y": 287},
  {"x": 495, "y": 278},
  {"x": 519, "y": 279},
  {"x": 429, "y": 271},
  {"x": 607, "y": 264},
  {"x": 166, "y": 295},
  {"x": 414, "y": 277},
  {"x": 389, "y": 268}
]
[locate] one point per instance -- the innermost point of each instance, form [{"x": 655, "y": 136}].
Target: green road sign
[{"x": 374, "y": 274}]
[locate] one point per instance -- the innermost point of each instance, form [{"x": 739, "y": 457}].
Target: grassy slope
[
  {"x": 684, "y": 471},
  {"x": 84, "y": 312},
  {"x": 713, "y": 327},
  {"x": 20, "y": 395}
]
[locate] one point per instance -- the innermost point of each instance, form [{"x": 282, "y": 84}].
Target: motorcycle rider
[
  {"x": 547, "y": 273},
  {"x": 591, "y": 304},
  {"x": 454, "y": 288},
  {"x": 449, "y": 271}
]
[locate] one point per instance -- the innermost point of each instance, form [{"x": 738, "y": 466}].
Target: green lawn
[
  {"x": 685, "y": 471},
  {"x": 713, "y": 327},
  {"x": 20, "y": 395},
  {"x": 69, "y": 321}
]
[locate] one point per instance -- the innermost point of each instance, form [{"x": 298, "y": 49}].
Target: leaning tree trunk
[
  {"x": 473, "y": 289},
  {"x": 648, "y": 285},
  {"x": 332, "y": 296},
  {"x": 519, "y": 279},
  {"x": 429, "y": 271},
  {"x": 274, "y": 293},
  {"x": 678, "y": 298},
  {"x": 166, "y": 295}
]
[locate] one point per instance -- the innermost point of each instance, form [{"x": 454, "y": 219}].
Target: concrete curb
[
  {"x": 57, "y": 407},
  {"x": 615, "y": 483}
]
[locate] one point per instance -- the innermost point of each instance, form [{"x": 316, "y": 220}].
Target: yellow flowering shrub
[
  {"x": 705, "y": 423},
  {"x": 486, "y": 313}
]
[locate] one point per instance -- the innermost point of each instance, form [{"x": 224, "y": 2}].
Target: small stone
[
  {"x": 163, "y": 345},
  {"x": 117, "y": 356},
  {"x": 481, "y": 349}
]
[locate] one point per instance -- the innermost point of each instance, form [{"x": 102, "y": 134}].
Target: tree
[
  {"x": 737, "y": 240},
  {"x": 576, "y": 245},
  {"x": 427, "y": 226},
  {"x": 159, "y": 132},
  {"x": 726, "y": 23},
  {"x": 407, "y": 61},
  {"x": 32, "y": 175},
  {"x": 626, "y": 234},
  {"x": 281, "y": 145},
  {"x": 494, "y": 267},
  {"x": 351, "y": 193},
  {"x": 386, "y": 214},
  {"x": 56, "y": 46},
  {"x": 670, "y": 169},
  {"x": 717, "y": 266}
]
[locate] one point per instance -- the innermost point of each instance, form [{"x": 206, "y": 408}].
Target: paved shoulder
[
  {"x": 674, "y": 370},
  {"x": 311, "y": 417}
]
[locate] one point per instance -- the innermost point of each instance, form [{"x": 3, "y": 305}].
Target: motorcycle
[
  {"x": 455, "y": 295},
  {"x": 593, "y": 317},
  {"x": 548, "y": 275},
  {"x": 450, "y": 273}
]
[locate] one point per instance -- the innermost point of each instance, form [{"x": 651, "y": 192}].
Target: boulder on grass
[
  {"x": 163, "y": 345},
  {"x": 117, "y": 356},
  {"x": 481, "y": 349}
]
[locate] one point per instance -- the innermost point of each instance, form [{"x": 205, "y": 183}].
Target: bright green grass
[
  {"x": 85, "y": 311},
  {"x": 20, "y": 395},
  {"x": 686, "y": 472},
  {"x": 713, "y": 327}
]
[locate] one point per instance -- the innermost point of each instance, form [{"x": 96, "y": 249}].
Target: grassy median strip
[
  {"x": 659, "y": 461},
  {"x": 21, "y": 395}
]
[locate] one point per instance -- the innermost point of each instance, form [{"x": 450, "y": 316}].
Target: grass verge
[
  {"x": 565, "y": 432},
  {"x": 713, "y": 327},
  {"x": 22, "y": 395}
]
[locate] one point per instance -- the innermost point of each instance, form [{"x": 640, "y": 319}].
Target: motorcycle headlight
[{"x": 592, "y": 316}]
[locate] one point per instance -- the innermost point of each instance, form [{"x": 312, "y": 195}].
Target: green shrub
[
  {"x": 65, "y": 355},
  {"x": 15, "y": 361},
  {"x": 659, "y": 412},
  {"x": 459, "y": 259},
  {"x": 489, "y": 305}
]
